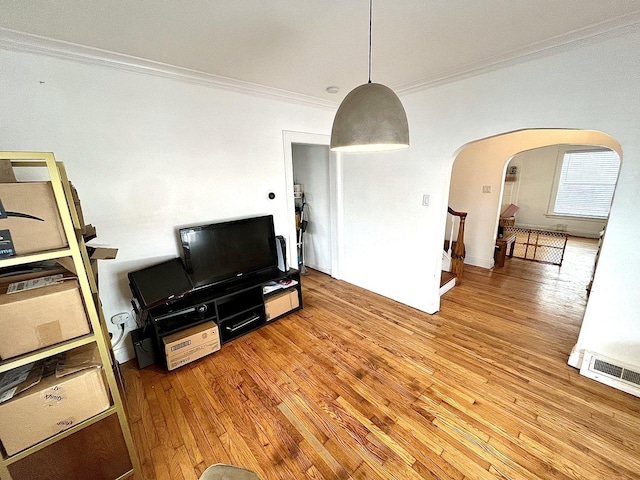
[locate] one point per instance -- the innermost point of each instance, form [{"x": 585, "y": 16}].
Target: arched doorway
[
  {"x": 477, "y": 182},
  {"x": 477, "y": 178}
]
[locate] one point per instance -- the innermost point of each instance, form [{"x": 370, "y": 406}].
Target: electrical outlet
[
  {"x": 120, "y": 318},
  {"x": 486, "y": 189}
]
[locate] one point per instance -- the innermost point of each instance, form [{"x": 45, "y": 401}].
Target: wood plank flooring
[{"x": 359, "y": 386}]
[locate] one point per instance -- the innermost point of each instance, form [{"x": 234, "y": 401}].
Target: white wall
[
  {"x": 393, "y": 244},
  {"x": 135, "y": 144},
  {"x": 534, "y": 186},
  {"x": 311, "y": 170},
  {"x": 590, "y": 87},
  {"x": 148, "y": 154}
]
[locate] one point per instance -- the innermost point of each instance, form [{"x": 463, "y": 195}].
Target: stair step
[{"x": 446, "y": 277}]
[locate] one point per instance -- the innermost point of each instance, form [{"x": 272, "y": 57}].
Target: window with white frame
[{"x": 586, "y": 183}]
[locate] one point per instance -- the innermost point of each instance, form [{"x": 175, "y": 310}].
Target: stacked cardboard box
[
  {"x": 37, "y": 311},
  {"x": 281, "y": 303},
  {"x": 36, "y": 401},
  {"x": 29, "y": 219},
  {"x": 191, "y": 344}
]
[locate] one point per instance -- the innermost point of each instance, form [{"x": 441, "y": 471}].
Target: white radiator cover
[{"x": 611, "y": 372}]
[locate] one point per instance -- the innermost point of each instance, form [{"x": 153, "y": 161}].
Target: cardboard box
[
  {"x": 88, "y": 231},
  {"x": 78, "y": 206},
  {"x": 192, "y": 354},
  {"x": 95, "y": 254},
  {"x": 29, "y": 219},
  {"x": 19, "y": 379},
  {"x": 100, "y": 253},
  {"x": 281, "y": 303},
  {"x": 189, "y": 338},
  {"x": 510, "y": 210},
  {"x": 41, "y": 312},
  {"x": 191, "y": 344},
  {"x": 6, "y": 172},
  {"x": 50, "y": 406}
]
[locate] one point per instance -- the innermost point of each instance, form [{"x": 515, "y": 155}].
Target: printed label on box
[
  {"x": 6, "y": 244},
  {"x": 10, "y": 381},
  {"x": 19, "y": 379},
  {"x": 14, "y": 377},
  {"x": 7, "y": 394},
  {"x": 35, "y": 283},
  {"x": 178, "y": 346},
  {"x": 180, "y": 362},
  {"x": 195, "y": 353}
]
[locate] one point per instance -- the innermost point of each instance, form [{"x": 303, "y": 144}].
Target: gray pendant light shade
[{"x": 370, "y": 118}]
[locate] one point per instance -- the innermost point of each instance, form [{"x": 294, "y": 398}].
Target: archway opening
[
  {"x": 478, "y": 179},
  {"x": 478, "y": 174}
]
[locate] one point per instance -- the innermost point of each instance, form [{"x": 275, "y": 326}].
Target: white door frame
[{"x": 335, "y": 196}]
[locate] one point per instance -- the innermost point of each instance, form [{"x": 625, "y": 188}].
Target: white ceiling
[{"x": 304, "y": 46}]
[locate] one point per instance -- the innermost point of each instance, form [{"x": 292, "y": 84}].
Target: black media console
[{"x": 237, "y": 307}]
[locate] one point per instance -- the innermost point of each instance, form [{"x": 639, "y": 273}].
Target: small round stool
[{"x": 220, "y": 471}]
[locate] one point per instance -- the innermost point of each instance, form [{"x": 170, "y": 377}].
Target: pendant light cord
[{"x": 370, "y": 17}]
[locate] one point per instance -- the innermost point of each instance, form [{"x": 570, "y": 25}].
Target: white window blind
[{"x": 587, "y": 182}]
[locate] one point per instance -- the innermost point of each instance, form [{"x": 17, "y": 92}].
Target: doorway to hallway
[
  {"x": 311, "y": 177},
  {"x": 310, "y": 164}
]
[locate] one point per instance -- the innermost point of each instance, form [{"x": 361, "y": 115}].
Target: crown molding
[
  {"x": 602, "y": 31},
  {"x": 14, "y": 40}
]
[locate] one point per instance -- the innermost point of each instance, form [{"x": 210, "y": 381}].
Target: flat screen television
[
  {"x": 229, "y": 250},
  {"x": 159, "y": 283}
]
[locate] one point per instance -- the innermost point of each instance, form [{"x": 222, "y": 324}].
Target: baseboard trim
[
  {"x": 576, "y": 357},
  {"x": 479, "y": 262}
]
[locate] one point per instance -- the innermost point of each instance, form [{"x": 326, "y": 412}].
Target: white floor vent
[{"x": 611, "y": 372}]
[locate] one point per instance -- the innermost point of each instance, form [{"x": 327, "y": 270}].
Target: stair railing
[{"x": 456, "y": 249}]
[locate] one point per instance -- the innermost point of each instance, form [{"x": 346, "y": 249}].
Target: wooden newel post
[{"x": 458, "y": 252}]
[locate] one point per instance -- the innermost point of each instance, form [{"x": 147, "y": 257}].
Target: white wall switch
[{"x": 425, "y": 200}]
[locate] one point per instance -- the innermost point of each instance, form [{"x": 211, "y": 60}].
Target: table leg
[{"x": 502, "y": 253}]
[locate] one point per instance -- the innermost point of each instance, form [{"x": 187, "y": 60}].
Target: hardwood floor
[{"x": 359, "y": 386}]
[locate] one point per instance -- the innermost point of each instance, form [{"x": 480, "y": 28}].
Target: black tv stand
[{"x": 236, "y": 307}]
